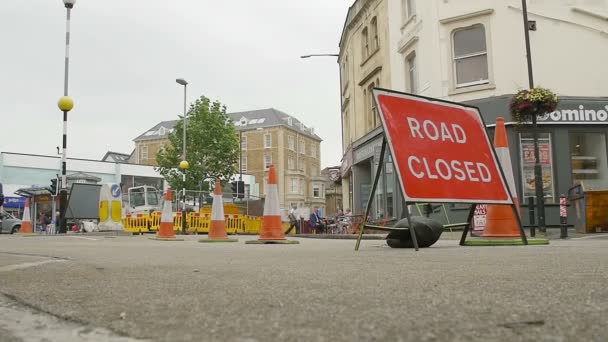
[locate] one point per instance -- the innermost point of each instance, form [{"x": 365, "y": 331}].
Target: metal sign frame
[{"x": 386, "y": 141}]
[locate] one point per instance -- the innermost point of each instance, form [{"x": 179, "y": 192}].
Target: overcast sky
[{"x": 125, "y": 56}]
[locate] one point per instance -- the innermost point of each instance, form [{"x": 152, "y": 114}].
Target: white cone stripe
[
  {"x": 271, "y": 205},
  {"x": 26, "y": 215},
  {"x": 505, "y": 161},
  {"x": 167, "y": 215},
  {"x": 217, "y": 209}
]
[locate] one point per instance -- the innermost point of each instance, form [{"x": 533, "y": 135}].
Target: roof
[
  {"x": 156, "y": 132},
  {"x": 116, "y": 157},
  {"x": 243, "y": 121},
  {"x": 270, "y": 117}
]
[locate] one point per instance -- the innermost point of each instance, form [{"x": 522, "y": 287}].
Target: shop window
[
  {"x": 470, "y": 56},
  {"x": 588, "y": 158},
  {"x": 526, "y": 145}
]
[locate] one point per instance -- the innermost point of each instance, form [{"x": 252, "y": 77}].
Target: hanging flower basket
[{"x": 529, "y": 102}]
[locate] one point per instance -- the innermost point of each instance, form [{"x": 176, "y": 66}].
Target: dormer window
[
  {"x": 243, "y": 121},
  {"x": 290, "y": 121},
  {"x": 162, "y": 131}
]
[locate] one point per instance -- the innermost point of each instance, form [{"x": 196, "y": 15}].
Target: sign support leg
[
  {"x": 372, "y": 193},
  {"x": 522, "y": 233},
  {"x": 468, "y": 225},
  {"x": 411, "y": 227}
]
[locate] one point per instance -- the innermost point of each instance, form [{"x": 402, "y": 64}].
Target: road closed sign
[{"x": 441, "y": 150}]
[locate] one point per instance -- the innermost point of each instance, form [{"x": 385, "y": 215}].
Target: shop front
[{"x": 572, "y": 143}]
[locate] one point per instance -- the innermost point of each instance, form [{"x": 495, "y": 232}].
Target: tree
[{"x": 211, "y": 146}]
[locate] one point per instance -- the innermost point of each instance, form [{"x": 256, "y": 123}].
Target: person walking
[{"x": 293, "y": 222}]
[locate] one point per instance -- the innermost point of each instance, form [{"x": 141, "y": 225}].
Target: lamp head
[
  {"x": 69, "y": 3},
  {"x": 181, "y": 81}
]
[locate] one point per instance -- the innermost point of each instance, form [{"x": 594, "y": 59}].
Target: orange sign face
[{"x": 441, "y": 150}]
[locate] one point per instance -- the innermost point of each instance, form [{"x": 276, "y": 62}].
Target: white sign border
[{"x": 379, "y": 91}]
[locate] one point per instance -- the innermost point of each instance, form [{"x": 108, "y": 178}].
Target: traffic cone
[
  {"x": 500, "y": 219},
  {"x": 26, "y": 221},
  {"x": 165, "y": 231},
  {"x": 272, "y": 230},
  {"x": 217, "y": 230}
]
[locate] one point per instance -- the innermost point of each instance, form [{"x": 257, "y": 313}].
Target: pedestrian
[
  {"x": 316, "y": 222},
  {"x": 293, "y": 221}
]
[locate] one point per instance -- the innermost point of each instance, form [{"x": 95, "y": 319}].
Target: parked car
[{"x": 9, "y": 223}]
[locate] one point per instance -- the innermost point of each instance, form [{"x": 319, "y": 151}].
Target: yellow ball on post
[
  {"x": 184, "y": 165},
  {"x": 65, "y": 103}
]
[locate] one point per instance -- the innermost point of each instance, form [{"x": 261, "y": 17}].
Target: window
[
  {"x": 314, "y": 170},
  {"x": 316, "y": 191},
  {"x": 588, "y": 158},
  {"x": 371, "y": 117},
  {"x": 344, "y": 72},
  {"x": 291, "y": 163},
  {"x": 243, "y": 143},
  {"x": 143, "y": 153},
  {"x": 526, "y": 145},
  {"x": 244, "y": 164},
  {"x": 294, "y": 185},
  {"x": 300, "y": 164},
  {"x": 470, "y": 56},
  {"x": 365, "y": 43},
  {"x": 302, "y": 186},
  {"x": 346, "y": 129},
  {"x": 267, "y": 140},
  {"x": 313, "y": 150},
  {"x": 291, "y": 144},
  {"x": 375, "y": 41},
  {"x": 412, "y": 84},
  {"x": 302, "y": 146},
  {"x": 409, "y": 8},
  {"x": 267, "y": 161}
]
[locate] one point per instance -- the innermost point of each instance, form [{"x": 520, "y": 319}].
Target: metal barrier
[{"x": 137, "y": 225}]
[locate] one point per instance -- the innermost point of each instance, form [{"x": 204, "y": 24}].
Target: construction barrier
[
  {"x": 138, "y": 224},
  {"x": 155, "y": 221},
  {"x": 234, "y": 224},
  {"x": 198, "y": 222},
  {"x": 177, "y": 221}
]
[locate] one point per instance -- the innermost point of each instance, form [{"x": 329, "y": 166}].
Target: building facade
[
  {"x": 267, "y": 136},
  {"x": 473, "y": 52}
]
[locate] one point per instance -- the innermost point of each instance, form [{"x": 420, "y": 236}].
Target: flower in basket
[{"x": 529, "y": 102}]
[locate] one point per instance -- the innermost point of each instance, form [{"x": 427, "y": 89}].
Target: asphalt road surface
[{"x": 96, "y": 288}]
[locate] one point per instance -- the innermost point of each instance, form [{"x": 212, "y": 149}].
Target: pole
[
  {"x": 63, "y": 196},
  {"x": 563, "y": 217},
  {"x": 538, "y": 180},
  {"x": 184, "y": 170}
]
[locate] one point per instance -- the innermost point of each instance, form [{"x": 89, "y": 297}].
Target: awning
[{"x": 31, "y": 192}]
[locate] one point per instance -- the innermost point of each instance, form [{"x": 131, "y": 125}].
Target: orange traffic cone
[
  {"x": 165, "y": 231},
  {"x": 217, "y": 231},
  {"x": 500, "y": 219},
  {"x": 26, "y": 222},
  {"x": 272, "y": 230}
]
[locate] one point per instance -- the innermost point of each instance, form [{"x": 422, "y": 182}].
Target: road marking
[
  {"x": 28, "y": 324},
  {"x": 82, "y": 237},
  {"x": 28, "y": 265}
]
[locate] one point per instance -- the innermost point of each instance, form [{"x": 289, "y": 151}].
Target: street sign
[{"x": 441, "y": 150}]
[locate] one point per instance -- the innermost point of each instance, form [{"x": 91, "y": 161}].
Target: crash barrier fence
[{"x": 196, "y": 223}]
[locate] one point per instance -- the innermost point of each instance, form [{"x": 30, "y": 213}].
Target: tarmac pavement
[{"x": 127, "y": 288}]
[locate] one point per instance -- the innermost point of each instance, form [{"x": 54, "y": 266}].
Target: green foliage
[
  {"x": 211, "y": 146},
  {"x": 536, "y": 101}
]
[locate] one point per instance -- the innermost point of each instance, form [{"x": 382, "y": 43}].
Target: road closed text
[{"x": 425, "y": 167}]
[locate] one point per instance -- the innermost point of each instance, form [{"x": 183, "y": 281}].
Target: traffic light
[
  {"x": 234, "y": 187},
  {"x": 240, "y": 189},
  {"x": 53, "y": 187}
]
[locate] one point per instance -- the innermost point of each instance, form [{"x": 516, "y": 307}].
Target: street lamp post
[
  {"x": 65, "y": 105},
  {"x": 538, "y": 180},
  {"x": 184, "y": 164}
]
